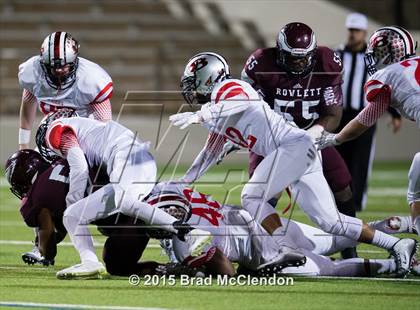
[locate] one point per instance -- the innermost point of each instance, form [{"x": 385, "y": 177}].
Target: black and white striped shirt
[{"x": 355, "y": 76}]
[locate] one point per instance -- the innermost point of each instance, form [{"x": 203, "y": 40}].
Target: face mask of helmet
[
  {"x": 58, "y": 76},
  {"x": 22, "y": 168},
  {"x": 294, "y": 64},
  {"x": 46, "y": 152},
  {"x": 204, "y": 73}
]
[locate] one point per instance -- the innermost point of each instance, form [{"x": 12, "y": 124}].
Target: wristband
[{"x": 24, "y": 136}]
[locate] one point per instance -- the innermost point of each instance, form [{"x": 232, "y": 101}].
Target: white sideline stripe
[
  {"x": 366, "y": 279},
  {"x": 70, "y": 306},
  {"x": 24, "y": 242},
  {"x": 387, "y": 191}
]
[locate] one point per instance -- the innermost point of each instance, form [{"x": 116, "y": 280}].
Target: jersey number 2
[
  {"x": 408, "y": 63},
  {"x": 236, "y": 137}
]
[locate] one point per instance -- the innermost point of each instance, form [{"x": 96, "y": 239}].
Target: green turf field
[{"x": 20, "y": 283}]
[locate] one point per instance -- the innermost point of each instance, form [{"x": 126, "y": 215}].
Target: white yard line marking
[
  {"x": 70, "y": 306},
  {"x": 96, "y": 244},
  {"x": 387, "y": 191},
  {"x": 366, "y": 279}
]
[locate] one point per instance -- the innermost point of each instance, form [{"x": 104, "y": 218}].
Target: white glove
[
  {"x": 315, "y": 132},
  {"x": 183, "y": 120},
  {"x": 327, "y": 139},
  {"x": 228, "y": 148}
]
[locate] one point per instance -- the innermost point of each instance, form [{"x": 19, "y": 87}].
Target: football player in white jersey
[
  {"x": 395, "y": 81},
  {"x": 59, "y": 78},
  {"x": 237, "y": 238},
  {"x": 231, "y": 109},
  {"x": 131, "y": 169}
]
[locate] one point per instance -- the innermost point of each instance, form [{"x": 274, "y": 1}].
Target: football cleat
[
  {"x": 32, "y": 257},
  {"x": 168, "y": 249},
  {"x": 403, "y": 252},
  {"x": 178, "y": 269},
  {"x": 291, "y": 258},
  {"x": 86, "y": 270},
  {"x": 198, "y": 239}
]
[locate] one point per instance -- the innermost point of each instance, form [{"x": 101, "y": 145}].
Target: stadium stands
[{"x": 142, "y": 44}]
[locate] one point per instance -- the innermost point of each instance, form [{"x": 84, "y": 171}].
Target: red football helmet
[
  {"x": 388, "y": 45},
  {"x": 22, "y": 169},
  {"x": 296, "y": 45}
]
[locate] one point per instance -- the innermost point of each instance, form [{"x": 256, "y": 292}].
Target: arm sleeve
[
  {"x": 101, "y": 111},
  {"x": 206, "y": 158},
  {"x": 375, "y": 109},
  {"x": 79, "y": 171},
  {"x": 28, "y": 97}
]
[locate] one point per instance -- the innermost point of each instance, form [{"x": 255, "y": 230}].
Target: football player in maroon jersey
[
  {"x": 302, "y": 81},
  {"x": 42, "y": 188}
]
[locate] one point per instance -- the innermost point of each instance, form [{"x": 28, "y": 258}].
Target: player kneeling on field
[{"x": 131, "y": 170}]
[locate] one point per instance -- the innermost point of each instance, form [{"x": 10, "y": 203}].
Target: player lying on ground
[
  {"x": 43, "y": 188},
  {"x": 237, "y": 238},
  {"x": 131, "y": 170},
  {"x": 395, "y": 82},
  {"x": 232, "y": 109}
]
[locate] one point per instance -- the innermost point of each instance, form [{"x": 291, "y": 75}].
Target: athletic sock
[
  {"x": 383, "y": 240},
  {"x": 81, "y": 238}
]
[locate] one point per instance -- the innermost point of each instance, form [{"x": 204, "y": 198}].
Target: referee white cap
[{"x": 356, "y": 21}]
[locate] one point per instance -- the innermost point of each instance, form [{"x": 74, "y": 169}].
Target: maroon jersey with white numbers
[
  {"x": 299, "y": 99},
  {"x": 48, "y": 191}
]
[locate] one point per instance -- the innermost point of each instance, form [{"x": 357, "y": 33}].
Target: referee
[{"x": 358, "y": 154}]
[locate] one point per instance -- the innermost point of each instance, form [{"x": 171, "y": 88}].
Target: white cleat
[
  {"x": 32, "y": 257},
  {"x": 86, "y": 270},
  {"x": 403, "y": 252},
  {"x": 197, "y": 240}
]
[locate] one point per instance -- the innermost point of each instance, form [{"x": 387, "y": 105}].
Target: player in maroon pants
[
  {"x": 43, "y": 187},
  {"x": 302, "y": 81}
]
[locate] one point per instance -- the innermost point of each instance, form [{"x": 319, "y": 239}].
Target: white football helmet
[
  {"x": 43, "y": 149},
  {"x": 172, "y": 203},
  {"x": 201, "y": 74},
  {"x": 388, "y": 45},
  {"x": 58, "y": 51}
]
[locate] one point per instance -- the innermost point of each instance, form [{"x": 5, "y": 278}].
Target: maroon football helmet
[
  {"x": 296, "y": 45},
  {"x": 22, "y": 169}
]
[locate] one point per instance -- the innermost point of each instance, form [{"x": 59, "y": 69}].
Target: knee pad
[{"x": 343, "y": 195}]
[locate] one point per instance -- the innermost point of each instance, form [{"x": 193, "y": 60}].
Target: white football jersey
[
  {"x": 403, "y": 78},
  {"x": 99, "y": 141},
  {"x": 237, "y": 112},
  {"x": 233, "y": 230},
  {"x": 93, "y": 84}
]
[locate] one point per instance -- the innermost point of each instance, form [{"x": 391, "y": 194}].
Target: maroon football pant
[
  {"x": 125, "y": 246},
  {"x": 333, "y": 165}
]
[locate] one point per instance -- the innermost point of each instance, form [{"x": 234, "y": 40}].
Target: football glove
[
  {"x": 228, "y": 148},
  {"x": 327, "y": 139},
  {"x": 183, "y": 120},
  {"x": 182, "y": 229}
]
